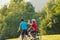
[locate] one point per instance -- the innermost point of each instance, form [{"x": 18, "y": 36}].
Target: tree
[
  {"x": 11, "y": 17},
  {"x": 50, "y": 25},
  {"x": 17, "y": 10}
]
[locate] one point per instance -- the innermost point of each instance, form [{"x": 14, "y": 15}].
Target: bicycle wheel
[
  {"x": 38, "y": 36},
  {"x": 33, "y": 36}
]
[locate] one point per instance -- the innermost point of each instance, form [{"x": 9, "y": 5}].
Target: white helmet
[{"x": 33, "y": 20}]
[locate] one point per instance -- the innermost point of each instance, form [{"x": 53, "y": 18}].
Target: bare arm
[{"x": 30, "y": 27}]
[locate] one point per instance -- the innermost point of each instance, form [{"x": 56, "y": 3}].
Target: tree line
[{"x": 47, "y": 19}]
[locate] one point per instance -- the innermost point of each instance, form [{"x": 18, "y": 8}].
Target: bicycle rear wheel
[{"x": 39, "y": 37}]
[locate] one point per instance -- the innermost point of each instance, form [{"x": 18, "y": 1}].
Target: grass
[
  {"x": 51, "y": 37},
  {"x": 44, "y": 37}
]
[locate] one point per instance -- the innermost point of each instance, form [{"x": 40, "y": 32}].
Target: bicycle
[{"x": 35, "y": 36}]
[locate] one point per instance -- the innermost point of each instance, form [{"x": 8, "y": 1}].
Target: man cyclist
[
  {"x": 34, "y": 27},
  {"x": 24, "y": 27}
]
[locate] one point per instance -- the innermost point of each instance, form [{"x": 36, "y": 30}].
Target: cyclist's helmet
[{"x": 33, "y": 20}]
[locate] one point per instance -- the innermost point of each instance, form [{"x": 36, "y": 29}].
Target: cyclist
[
  {"x": 34, "y": 26},
  {"x": 24, "y": 26}
]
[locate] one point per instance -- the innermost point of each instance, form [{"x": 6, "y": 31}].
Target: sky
[
  {"x": 38, "y": 4},
  {"x": 4, "y": 2}
]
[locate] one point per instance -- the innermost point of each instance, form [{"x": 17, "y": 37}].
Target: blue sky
[{"x": 38, "y": 4}]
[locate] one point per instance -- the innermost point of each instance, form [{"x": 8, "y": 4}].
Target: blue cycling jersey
[{"x": 24, "y": 25}]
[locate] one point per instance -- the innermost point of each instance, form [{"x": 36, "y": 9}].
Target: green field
[{"x": 45, "y": 37}]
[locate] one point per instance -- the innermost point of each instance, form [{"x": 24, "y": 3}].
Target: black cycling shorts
[{"x": 24, "y": 32}]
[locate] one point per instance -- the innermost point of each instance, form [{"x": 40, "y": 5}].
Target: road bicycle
[{"x": 35, "y": 36}]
